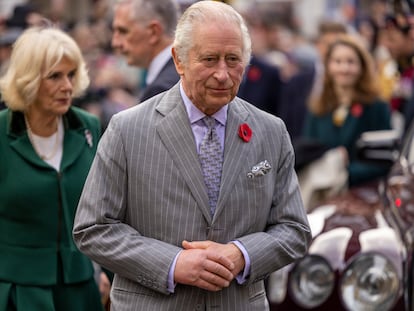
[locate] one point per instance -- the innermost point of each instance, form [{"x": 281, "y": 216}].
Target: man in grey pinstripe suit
[{"x": 144, "y": 213}]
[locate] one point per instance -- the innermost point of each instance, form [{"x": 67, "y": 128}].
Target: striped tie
[{"x": 211, "y": 159}]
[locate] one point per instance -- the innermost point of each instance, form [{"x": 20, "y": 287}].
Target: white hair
[{"x": 206, "y": 12}]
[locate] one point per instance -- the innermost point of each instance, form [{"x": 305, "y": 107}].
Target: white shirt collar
[
  {"x": 157, "y": 64},
  {"x": 194, "y": 114}
]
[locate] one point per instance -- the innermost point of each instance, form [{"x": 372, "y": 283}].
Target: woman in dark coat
[{"x": 347, "y": 106}]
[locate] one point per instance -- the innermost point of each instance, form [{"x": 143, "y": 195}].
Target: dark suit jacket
[
  {"x": 261, "y": 85},
  {"x": 167, "y": 77},
  {"x": 145, "y": 194},
  {"x": 294, "y": 99}
]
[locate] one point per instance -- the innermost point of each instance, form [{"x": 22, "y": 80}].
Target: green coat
[
  {"x": 361, "y": 118},
  {"x": 37, "y": 203}
]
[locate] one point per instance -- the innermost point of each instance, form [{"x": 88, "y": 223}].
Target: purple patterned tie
[{"x": 211, "y": 159}]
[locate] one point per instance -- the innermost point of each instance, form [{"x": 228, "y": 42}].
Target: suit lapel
[
  {"x": 75, "y": 142},
  {"x": 23, "y": 147},
  {"x": 20, "y": 141},
  {"x": 177, "y": 136},
  {"x": 349, "y": 128},
  {"x": 235, "y": 152}
]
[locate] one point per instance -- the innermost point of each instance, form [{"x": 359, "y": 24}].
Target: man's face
[
  {"x": 396, "y": 43},
  {"x": 325, "y": 41},
  {"x": 131, "y": 37},
  {"x": 213, "y": 73}
]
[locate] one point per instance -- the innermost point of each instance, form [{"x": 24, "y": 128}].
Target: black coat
[
  {"x": 261, "y": 85},
  {"x": 167, "y": 78}
]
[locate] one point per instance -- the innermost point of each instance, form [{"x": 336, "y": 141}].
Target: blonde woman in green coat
[{"x": 46, "y": 148}]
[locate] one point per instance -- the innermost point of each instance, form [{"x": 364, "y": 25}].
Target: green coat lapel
[
  {"x": 74, "y": 140},
  {"x": 21, "y": 143}
]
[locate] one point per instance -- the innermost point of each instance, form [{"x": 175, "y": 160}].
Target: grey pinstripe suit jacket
[{"x": 145, "y": 194}]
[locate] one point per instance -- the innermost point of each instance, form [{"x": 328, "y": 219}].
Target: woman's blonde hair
[
  {"x": 366, "y": 88},
  {"x": 35, "y": 53}
]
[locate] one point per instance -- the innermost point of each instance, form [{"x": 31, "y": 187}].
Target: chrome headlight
[
  {"x": 370, "y": 282},
  {"x": 312, "y": 281}
]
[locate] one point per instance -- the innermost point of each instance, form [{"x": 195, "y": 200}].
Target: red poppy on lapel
[
  {"x": 245, "y": 132},
  {"x": 254, "y": 74},
  {"x": 356, "y": 110}
]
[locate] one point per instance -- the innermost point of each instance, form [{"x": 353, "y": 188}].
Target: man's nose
[
  {"x": 115, "y": 42},
  {"x": 222, "y": 72}
]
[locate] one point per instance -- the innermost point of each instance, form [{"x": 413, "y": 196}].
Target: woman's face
[
  {"x": 55, "y": 91},
  {"x": 344, "y": 66}
]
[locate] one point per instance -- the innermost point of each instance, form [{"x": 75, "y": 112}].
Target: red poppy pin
[
  {"x": 245, "y": 132},
  {"x": 254, "y": 74},
  {"x": 356, "y": 110}
]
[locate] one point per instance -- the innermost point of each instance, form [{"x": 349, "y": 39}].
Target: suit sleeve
[{"x": 99, "y": 230}]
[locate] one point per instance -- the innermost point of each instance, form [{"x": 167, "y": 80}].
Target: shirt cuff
[
  {"x": 242, "y": 277},
  {"x": 171, "y": 285}
]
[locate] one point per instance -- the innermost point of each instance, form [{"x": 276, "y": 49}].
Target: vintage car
[{"x": 361, "y": 254}]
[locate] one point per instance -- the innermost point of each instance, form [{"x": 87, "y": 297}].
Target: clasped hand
[{"x": 208, "y": 265}]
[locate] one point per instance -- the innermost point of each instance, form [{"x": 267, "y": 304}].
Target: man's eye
[
  {"x": 119, "y": 30},
  {"x": 232, "y": 61},
  {"x": 209, "y": 61}
]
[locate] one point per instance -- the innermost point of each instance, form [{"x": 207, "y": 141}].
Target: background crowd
[{"x": 282, "y": 37}]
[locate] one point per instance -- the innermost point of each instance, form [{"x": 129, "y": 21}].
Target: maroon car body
[{"x": 362, "y": 249}]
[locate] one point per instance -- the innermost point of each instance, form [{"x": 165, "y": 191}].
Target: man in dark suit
[
  {"x": 143, "y": 31},
  {"x": 261, "y": 85},
  {"x": 177, "y": 236}
]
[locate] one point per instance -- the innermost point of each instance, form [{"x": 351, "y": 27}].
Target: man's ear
[
  {"x": 179, "y": 66},
  {"x": 155, "y": 30}
]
